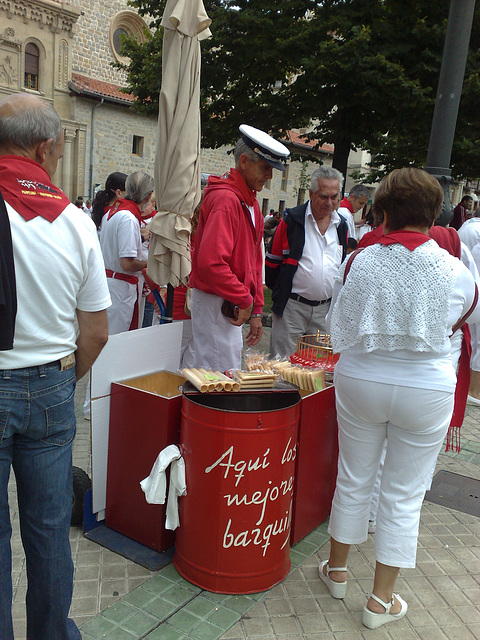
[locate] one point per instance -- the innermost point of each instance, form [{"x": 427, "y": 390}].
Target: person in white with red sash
[
  {"x": 395, "y": 305},
  {"x": 356, "y": 200},
  {"x": 121, "y": 243},
  {"x": 60, "y": 328}
]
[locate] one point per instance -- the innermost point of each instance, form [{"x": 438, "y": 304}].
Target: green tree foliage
[
  {"x": 246, "y": 56},
  {"x": 363, "y": 73},
  {"x": 406, "y": 140}
]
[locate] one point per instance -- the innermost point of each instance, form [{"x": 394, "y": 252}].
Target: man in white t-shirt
[{"x": 61, "y": 327}]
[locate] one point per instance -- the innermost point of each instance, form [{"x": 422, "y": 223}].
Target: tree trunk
[{"x": 340, "y": 156}]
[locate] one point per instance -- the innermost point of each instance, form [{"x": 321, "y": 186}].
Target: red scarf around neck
[
  {"x": 234, "y": 178},
  {"x": 126, "y": 205},
  {"x": 371, "y": 237},
  {"x": 410, "y": 239},
  {"x": 27, "y": 187},
  {"x": 347, "y": 204}
]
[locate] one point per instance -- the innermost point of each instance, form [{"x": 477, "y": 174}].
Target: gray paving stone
[{"x": 285, "y": 625}]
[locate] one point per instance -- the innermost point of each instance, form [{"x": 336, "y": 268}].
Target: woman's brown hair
[{"x": 409, "y": 197}]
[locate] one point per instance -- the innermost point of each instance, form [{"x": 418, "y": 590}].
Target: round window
[
  {"x": 117, "y": 41},
  {"x": 125, "y": 23}
]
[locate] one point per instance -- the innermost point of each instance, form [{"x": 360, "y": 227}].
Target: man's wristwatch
[{"x": 256, "y": 315}]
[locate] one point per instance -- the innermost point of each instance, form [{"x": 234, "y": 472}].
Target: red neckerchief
[
  {"x": 126, "y": 205},
  {"x": 410, "y": 239},
  {"x": 235, "y": 178},
  {"x": 448, "y": 239},
  {"x": 371, "y": 237},
  {"x": 347, "y": 204},
  {"x": 27, "y": 187},
  {"x": 150, "y": 215}
]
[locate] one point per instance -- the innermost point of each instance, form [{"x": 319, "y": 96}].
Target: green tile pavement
[{"x": 168, "y": 607}]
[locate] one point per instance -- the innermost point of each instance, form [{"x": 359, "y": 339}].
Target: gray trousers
[{"x": 298, "y": 319}]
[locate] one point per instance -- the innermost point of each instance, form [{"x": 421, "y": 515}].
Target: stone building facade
[{"x": 63, "y": 52}]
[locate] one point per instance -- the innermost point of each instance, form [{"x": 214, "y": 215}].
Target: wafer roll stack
[
  {"x": 210, "y": 381},
  {"x": 255, "y": 379}
]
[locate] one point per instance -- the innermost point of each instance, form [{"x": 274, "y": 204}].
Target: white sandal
[
  {"x": 373, "y": 620},
  {"x": 336, "y": 589}
]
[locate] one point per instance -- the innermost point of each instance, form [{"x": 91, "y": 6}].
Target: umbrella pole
[{"x": 169, "y": 304}]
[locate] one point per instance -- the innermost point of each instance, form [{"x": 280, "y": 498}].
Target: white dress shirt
[{"x": 321, "y": 257}]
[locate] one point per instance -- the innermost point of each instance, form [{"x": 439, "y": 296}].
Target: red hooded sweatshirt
[{"x": 227, "y": 261}]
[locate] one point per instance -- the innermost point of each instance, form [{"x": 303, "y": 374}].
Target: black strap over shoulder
[
  {"x": 8, "y": 290},
  {"x": 342, "y": 233}
]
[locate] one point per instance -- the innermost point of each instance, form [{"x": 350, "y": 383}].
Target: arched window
[
  {"x": 32, "y": 64},
  {"x": 125, "y": 23}
]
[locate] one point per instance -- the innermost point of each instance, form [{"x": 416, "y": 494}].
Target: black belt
[{"x": 312, "y": 303}]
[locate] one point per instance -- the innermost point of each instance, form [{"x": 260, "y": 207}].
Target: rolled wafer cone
[
  {"x": 197, "y": 382},
  {"x": 201, "y": 374}
]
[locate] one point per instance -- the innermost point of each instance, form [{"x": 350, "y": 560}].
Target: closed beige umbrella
[{"x": 177, "y": 158}]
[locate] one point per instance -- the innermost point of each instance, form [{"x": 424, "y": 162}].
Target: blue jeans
[{"x": 37, "y": 428}]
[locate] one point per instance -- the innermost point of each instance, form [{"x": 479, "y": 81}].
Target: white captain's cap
[{"x": 272, "y": 151}]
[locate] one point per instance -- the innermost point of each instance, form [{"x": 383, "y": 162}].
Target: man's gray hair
[
  {"x": 242, "y": 147},
  {"x": 30, "y": 126},
  {"x": 325, "y": 173},
  {"x": 360, "y": 191},
  {"x": 138, "y": 186}
]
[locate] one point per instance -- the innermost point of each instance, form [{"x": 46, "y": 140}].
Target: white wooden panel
[
  {"x": 100, "y": 420},
  {"x": 136, "y": 353}
]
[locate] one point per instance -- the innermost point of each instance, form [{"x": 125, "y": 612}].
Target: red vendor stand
[
  {"x": 317, "y": 458},
  {"x": 316, "y": 463},
  {"x": 144, "y": 419}
]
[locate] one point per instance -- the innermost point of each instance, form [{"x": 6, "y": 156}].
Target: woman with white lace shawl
[{"x": 393, "y": 313}]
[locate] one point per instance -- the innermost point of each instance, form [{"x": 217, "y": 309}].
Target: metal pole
[{"x": 449, "y": 90}]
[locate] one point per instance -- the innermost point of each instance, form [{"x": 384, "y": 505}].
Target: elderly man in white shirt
[{"x": 307, "y": 249}]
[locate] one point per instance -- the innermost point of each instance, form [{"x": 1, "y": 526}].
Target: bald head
[
  {"x": 30, "y": 127},
  {"x": 26, "y": 121}
]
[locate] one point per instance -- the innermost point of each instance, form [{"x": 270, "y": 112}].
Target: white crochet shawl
[{"x": 394, "y": 298}]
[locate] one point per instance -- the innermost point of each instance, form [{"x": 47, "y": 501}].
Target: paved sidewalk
[{"x": 116, "y": 599}]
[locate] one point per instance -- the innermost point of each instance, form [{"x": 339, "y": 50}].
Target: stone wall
[
  {"x": 92, "y": 51},
  {"x": 114, "y": 128}
]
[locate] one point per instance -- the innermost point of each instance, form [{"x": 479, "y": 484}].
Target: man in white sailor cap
[{"x": 227, "y": 257}]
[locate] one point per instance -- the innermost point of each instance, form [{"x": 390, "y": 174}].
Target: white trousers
[
  {"x": 415, "y": 422},
  {"x": 119, "y": 315},
  {"x": 298, "y": 319},
  {"x": 217, "y": 344}
]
